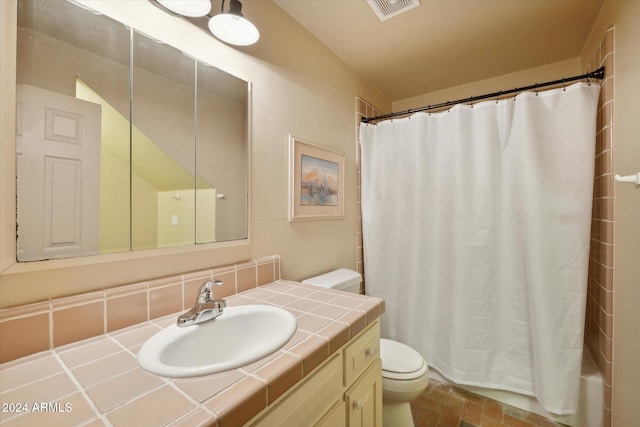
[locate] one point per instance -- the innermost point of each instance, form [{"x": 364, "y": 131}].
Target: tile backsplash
[{"x": 41, "y": 326}]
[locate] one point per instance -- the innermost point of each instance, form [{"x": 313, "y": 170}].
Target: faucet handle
[
  {"x": 210, "y": 283},
  {"x": 206, "y": 291}
]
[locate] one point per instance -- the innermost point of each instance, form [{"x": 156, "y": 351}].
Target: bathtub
[{"x": 589, "y": 406}]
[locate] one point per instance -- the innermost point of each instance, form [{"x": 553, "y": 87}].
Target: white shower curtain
[{"x": 476, "y": 228}]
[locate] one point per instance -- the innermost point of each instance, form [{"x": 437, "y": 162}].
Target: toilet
[{"x": 405, "y": 373}]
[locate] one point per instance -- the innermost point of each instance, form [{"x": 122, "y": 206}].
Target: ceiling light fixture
[
  {"x": 190, "y": 8},
  {"x": 232, "y": 27}
]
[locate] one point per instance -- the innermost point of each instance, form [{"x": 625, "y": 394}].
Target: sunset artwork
[{"x": 318, "y": 182}]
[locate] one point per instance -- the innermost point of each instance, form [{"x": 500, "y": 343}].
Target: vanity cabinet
[
  {"x": 335, "y": 417},
  {"x": 363, "y": 377},
  {"x": 364, "y": 399},
  {"x": 344, "y": 391},
  {"x": 310, "y": 399}
]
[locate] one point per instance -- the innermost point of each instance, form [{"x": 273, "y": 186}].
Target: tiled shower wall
[
  {"x": 599, "y": 315},
  {"x": 363, "y": 109},
  {"x": 599, "y": 310}
]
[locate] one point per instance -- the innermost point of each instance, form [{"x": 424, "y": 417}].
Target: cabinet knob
[
  {"x": 371, "y": 351},
  {"x": 357, "y": 403}
]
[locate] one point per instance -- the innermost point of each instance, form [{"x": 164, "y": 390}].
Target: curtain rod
[{"x": 597, "y": 74}]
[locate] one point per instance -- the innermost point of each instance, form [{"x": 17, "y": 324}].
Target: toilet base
[{"x": 396, "y": 414}]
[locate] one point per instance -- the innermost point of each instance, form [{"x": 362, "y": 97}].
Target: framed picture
[{"x": 316, "y": 182}]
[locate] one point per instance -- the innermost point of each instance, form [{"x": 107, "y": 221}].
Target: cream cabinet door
[
  {"x": 308, "y": 403},
  {"x": 336, "y": 417},
  {"x": 364, "y": 399}
]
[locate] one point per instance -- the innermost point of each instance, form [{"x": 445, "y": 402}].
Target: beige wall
[
  {"x": 298, "y": 87},
  {"x": 545, "y": 73},
  {"x": 625, "y": 17}
]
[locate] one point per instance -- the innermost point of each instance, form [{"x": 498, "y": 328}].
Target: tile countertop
[{"x": 97, "y": 382}]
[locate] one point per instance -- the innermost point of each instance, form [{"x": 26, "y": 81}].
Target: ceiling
[{"x": 446, "y": 43}]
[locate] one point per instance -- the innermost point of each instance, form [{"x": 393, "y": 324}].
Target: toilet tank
[{"x": 341, "y": 279}]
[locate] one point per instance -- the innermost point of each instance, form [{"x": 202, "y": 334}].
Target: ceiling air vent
[{"x": 387, "y": 9}]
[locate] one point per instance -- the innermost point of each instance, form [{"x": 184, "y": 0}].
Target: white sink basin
[{"x": 239, "y": 336}]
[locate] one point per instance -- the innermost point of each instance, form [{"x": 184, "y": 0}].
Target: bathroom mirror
[{"x": 123, "y": 142}]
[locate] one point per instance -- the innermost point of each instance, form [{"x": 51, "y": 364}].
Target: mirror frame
[{"x": 117, "y": 268}]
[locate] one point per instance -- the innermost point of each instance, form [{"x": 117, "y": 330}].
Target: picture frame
[{"x": 316, "y": 182}]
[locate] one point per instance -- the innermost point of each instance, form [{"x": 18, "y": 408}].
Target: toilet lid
[{"x": 400, "y": 358}]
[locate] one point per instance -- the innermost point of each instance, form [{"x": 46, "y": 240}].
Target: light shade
[
  {"x": 190, "y": 8},
  {"x": 232, "y": 27}
]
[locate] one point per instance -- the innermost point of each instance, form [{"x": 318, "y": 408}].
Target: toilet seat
[{"x": 401, "y": 362}]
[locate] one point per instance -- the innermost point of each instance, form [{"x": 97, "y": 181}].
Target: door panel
[{"x": 58, "y": 161}]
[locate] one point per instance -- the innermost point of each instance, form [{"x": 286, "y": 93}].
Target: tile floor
[{"x": 442, "y": 405}]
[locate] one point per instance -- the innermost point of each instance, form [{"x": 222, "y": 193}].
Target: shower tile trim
[
  {"x": 600, "y": 290},
  {"x": 363, "y": 109}
]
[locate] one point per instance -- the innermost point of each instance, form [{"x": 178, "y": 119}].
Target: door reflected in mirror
[{"x": 123, "y": 142}]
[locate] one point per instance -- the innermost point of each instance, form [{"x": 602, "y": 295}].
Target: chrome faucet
[{"x": 205, "y": 308}]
